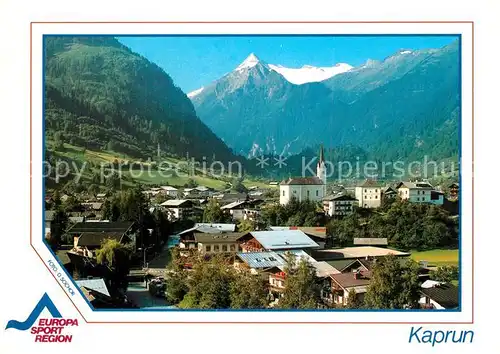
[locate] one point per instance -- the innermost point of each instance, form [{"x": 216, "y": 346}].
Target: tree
[
  {"x": 176, "y": 286},
  {"x": 247, "y": 225},
  {"x": 353, "y": 300},
  {"x": 71, "y": 204},
  {"x": 112, "y": 253},
  {"x": 295, "y": 213},
  {"x": 302, "y": 290},
  {"x": 115, "y": 257},
  {"x": 445, "y": 274},
  {"x": 58, "y": 140},
  {"x": 93, "y": 189},
  {"x": 113, "y": 182},
  {"x": 394, "y": 284},
  {"x": 343, "y": 231},
  {"x": 248, "y": 291},
  {"x": 239, "y": 187},
  {"x": 213, "y": 213},
  {"x": 191, "y": 184},
  {"x": 209, "y": 285}
]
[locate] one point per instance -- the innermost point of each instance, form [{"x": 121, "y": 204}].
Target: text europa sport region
[{"x": 46, "y": 330}]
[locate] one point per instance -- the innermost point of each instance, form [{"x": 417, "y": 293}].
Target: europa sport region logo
[{"x": 46, "y": 330}]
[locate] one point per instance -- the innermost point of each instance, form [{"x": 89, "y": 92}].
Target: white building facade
[
  {"x": 306, "y": 188},
  {"x": 369, "y": 194},
  {"x": 339, "y": 205},
  {"x": 420, "y": 192},
  {"x": 303, "y": 188}
]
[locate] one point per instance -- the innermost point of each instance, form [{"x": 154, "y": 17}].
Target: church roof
[
  {"x": 321, "y": 155},
  {"x": 302, "y": 181}
]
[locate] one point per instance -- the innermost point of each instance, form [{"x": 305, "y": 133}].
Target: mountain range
[
  {"x": 101, "y": 95},
  {"x": 405, "y": 106}
]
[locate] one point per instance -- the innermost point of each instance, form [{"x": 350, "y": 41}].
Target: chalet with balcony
[{"x": 338, "y": 287}]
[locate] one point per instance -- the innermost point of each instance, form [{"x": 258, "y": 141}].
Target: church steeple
[
  {"x": 321, "y": 155},
  {"x": 321, "y": 168}
]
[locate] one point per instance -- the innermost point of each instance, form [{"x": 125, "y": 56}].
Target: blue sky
[{"x": 193, "y": 62}]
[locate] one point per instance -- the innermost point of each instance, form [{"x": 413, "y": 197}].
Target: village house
[
  {"x": 230, "y": 197},
  {"x": 350, "y": 265},
  {"x": 89, "y": 236},
  {"x": 315, "y": 233},
  {"x": 216, "y": 243},
  {"x": 370, "y": 241},
  {"x": 257, "y": 241},
  {"x": 420, "y": 192},
  {"x": 97, "y": 294},
  {"x": 243, "y": 210},
  {"x": 438, "y": 295},
  {"x": 187, "y": 238},
  {"x": 92, "y": 210},
  {"x": 178, "y": 208},
  {"x": 197, "y": 192},
  {"x": 369, "y": 194},
  {"x": 339, "y": 204},
  {"x": 389, "y": 193},
  {"x": 96, "y": 284},
  {"x": 359, "y": 252},
  {"x": 169, "y": 191},
  {"x": 271, "y": 265},
  {"x": 338, "y": 287},
  {"x": 101, "y": 196}
]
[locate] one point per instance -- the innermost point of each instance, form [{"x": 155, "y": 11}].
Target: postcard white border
[{"x": 465, "y": 29}]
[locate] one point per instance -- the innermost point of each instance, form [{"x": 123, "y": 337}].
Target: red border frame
[{"x": 243, "y": 22}]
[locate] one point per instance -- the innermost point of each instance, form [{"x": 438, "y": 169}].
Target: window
[
  {"x": 365, "y": 190},
  {"x": 376, "y": 197},
  {"x": 307, "y": 194},
  {"x": 216, "y": 248},
  {"x": 317, "y": 193},
  {"x": 423, "y": 192},
  {"x": 224, "y": 248},
  {"x": 283, "y": 193},
  {"x": 232, "y": 248},
  {"x": 207, "y": 248}
]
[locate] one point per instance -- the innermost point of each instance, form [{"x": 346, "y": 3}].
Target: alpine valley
[
  {"x": 101, "y": 95},
  {"x": 404, "y": 107}
]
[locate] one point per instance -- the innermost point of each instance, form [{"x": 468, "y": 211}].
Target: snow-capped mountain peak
[
  {"x": 249, "y": 62},
  {"x": 308, "y": 73},
  {"x": 195, "y": 92}
]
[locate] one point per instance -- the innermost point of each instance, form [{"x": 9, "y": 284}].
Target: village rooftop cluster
[{"x": 180, "y": 223}]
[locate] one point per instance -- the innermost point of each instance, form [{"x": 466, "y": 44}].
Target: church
[{"x": 304, "y": 188}]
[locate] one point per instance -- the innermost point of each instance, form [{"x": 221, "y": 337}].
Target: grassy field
[
  {"x": 437, "y": 257},
  {"x": 154, "y": 177}
]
